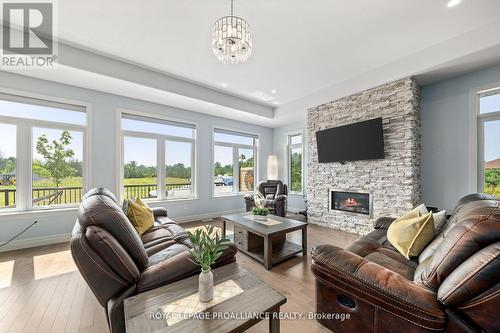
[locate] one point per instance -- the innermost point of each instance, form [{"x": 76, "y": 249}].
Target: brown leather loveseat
[
  {"x": 454, "y": 288},
  {"x": 116, "y": 262}
]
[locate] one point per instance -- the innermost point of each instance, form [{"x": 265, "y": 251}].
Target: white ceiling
[
  {"x": 299, "y": 46},
  {"x": 310, "y": 51}
]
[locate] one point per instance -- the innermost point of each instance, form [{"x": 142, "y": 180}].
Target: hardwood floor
[{"x": 42, "y": 291}]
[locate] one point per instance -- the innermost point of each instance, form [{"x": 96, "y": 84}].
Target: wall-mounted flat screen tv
[{"x": 354, "y": 142}]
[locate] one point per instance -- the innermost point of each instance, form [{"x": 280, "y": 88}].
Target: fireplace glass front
[{"x": 350, "y": 202}]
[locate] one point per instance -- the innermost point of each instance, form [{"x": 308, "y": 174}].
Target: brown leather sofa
[
  {"x": 117, "y": 263},
  {"x": 455, "y": 289},
  {"x": 275, "y": 193}
]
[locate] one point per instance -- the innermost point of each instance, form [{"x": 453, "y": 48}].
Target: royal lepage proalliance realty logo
[{"x": 28, "y": 35}]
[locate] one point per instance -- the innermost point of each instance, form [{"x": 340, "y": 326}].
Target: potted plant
[
  {"x": 207, "y": 248},
  {"x": 259, "y": 212}
]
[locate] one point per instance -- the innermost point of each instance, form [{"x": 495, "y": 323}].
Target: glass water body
[
  {"x": 489, "y": 115},
  {"x": 45, "y": 190},
  {"x": 139, "y": 171},
  {"x": 492, "y": 157},
  {"x": 178, "y": 169},
  {"x": 8, "y": 165},
  {"x": 223, "y": 170}
]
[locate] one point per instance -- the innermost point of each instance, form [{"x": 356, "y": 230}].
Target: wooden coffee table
[
  {"x": 238, "y": 297},
  {"x": 265, "y": 241}
]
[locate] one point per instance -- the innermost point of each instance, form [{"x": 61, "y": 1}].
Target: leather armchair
[
  {"x": 453, "y": 290},
  {"x": 117, "y": 262},
  {"x": 275, "y": 193}
]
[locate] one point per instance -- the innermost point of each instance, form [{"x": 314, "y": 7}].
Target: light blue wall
[
  {"x": 103, "y": 160},
  {"x": 445, "y": 109},
  {"x": 295, "y": 202}
]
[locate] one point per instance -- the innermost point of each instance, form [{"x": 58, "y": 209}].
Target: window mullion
[
  {"x": 236, "y": 170},
  {"x": 255, "y": 162},
  {"x": 194, "y": 180},
  {"x": 23, "y": 173},
  {"x": 160, "y": 169}
]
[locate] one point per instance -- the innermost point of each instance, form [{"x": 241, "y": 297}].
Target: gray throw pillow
[{"x": 125, "y": 206}]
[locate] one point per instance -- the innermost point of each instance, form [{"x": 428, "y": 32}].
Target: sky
[
  {"x": 143, "y": 151},
  {"x": 223, "y": 155},
  {"x": 22, "y": 110}
]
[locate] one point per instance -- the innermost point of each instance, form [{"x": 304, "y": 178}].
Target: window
[
  {"x": 41, "y": 153},
  {"x": 234, "y": 162},
  {"x": 295, "y": 163},
  {"x": 56, "y": 166},
  {"x": 139, "y": 168},
  {"x": 489, "y": 142},
  {"x": 157, "y": 154},
  {"x": 8, "y": 165}
]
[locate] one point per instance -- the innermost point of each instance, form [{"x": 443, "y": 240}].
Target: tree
[
  {"x": 220, "y": 170},
  {"x": 55, "y": 155},
  {"x": 296, "y": 172},
  {"x": 178, "y": 170},
  {"x": 134, "y": 170},
  {"x": 7, "y": 164}
]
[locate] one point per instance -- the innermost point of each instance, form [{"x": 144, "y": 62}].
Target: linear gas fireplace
[{"x": 353, "y": 202}]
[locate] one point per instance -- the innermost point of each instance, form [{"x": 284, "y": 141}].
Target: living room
[{"x": 231, "y": 166}]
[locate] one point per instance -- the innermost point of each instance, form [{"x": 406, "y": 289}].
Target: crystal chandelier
[{"x": 232, "y": 39}]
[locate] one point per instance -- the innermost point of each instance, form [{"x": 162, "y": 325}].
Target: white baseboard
[
  {"x": 191, "y": 218},
  {"x": 54, "y": 239},
  {"x": 35, "y": 241},
  {"x": 294, "y": 209}
]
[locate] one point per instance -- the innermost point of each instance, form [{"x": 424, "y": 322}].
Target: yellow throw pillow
[
  {"x": 411, "y": 235},
  {"x": 140, "y": 215}
]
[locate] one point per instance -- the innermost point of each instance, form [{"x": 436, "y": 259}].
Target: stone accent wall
[{"x": 393, "y": 182}]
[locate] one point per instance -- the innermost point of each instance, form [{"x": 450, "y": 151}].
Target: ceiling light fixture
[
  {"x": 232, "y": 39},
  {"x": 453, "y": 3}
]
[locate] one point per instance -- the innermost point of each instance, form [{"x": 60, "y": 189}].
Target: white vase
[{"x": 206, "y": 286}]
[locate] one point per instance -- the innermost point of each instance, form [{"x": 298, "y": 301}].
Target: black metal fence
[
  {"x": 7, "y": 197},
  {"x": 140, "y": 191},
  {"x": 45, "y": 196},
  {"x": 150, "y": 190}
]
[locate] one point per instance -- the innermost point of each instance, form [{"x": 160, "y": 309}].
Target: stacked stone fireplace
[{"x": 367, "y": 189}]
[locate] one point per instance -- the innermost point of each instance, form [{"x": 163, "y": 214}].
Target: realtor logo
[{"x": 28, "y": 34}]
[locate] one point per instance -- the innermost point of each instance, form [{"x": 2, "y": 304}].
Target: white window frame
[
  {"x": 236, "y": 164},
  {"x": 160, "y": 154},
  {"x": 289, "y": 147},
  {"x": 477, "y": 121},
  {"x": 24, "y": 146}
]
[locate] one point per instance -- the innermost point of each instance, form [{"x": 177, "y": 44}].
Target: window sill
[
  {"x": 228, "y": 196},
  {"x": 159, "y": 201},
  {"x": 14, "y": 214},
  {"x": 296, "y": 194}
]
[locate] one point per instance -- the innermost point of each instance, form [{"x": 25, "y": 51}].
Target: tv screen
[{"x": 359, "y": 141}]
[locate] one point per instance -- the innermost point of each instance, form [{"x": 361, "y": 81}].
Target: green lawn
[
  {"x": 493, "y": 190},
  {"x": 77, "y": 182},
  {"x": 152, "y": 180}
]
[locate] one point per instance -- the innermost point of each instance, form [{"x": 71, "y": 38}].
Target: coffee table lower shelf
[{"x": 279, "y": 252}]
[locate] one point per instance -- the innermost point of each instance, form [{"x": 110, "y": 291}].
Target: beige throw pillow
[
  {"x": 410, "y": 233},
  {"x": 140, "y": 215},
  {"x": 439, "y": 224},
  {"x": 439, "y": 220}
]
